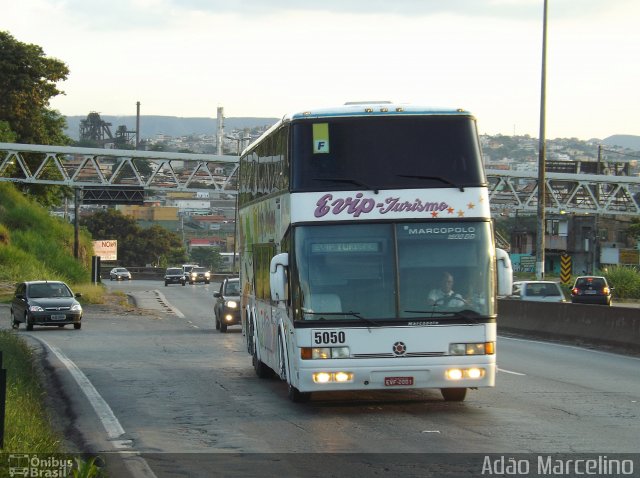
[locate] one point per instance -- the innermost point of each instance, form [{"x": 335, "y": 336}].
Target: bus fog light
[
  {"x": 343, "y": 377},
  {"x": 454, "y": 374},
  {"x": 321, "y": 377},
  {"x": 475, "y": 373},
  {"x": 339, "y": 352}
]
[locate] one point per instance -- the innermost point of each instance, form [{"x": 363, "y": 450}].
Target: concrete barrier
[{"x": 617, "y": 327}]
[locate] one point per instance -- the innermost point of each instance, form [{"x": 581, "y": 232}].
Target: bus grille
[{"x": 391, "y": 355}]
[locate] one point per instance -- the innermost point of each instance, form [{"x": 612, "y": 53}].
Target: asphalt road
[{"x": 186, "y": 398}]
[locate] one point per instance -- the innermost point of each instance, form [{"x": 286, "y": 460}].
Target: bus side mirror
[
  {"x": 505, "y": 272},
  {"x": 278, "y": 277}
]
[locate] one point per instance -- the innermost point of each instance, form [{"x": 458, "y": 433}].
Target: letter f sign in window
[{"x": 321, "y": 138}]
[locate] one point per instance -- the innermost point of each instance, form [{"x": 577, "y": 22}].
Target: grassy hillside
[{"x": 35, "y": 245}]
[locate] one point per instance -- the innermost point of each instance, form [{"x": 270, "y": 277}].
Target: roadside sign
[{"x": 106, "y": 250}]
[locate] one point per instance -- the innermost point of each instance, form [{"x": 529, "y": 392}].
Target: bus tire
[
  {"x": 297, "y": 396},
  {"x": 262, "y": 371},
  {"x": 454, "y": 394}
]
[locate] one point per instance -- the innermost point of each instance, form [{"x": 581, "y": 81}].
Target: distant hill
[
  {"x": 174, "y": 126},
  {"x": 624, "y": 141}
]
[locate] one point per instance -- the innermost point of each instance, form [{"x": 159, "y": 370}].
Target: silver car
[
  {"x": 119, "y": 273},
  {"x": 537, "y": 290}
]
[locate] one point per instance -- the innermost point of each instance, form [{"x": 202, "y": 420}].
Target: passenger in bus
[{"x": 445, "y": 295}]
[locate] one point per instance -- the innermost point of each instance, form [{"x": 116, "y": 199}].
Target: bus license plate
[
  {"x": 58, "y": 317},
  {"x": 393, "y": 381}
]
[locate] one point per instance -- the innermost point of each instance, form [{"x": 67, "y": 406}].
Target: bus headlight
[
  {"x": 324, "y": 353},
  {"x": 480, "y": 348}
]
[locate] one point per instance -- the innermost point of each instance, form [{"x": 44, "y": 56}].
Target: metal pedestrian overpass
[{"x": 113, "y": 175}]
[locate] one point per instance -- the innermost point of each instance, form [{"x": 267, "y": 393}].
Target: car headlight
[
  {"x": 207, "y": 275},
  {"x": 35, "y": 308},
  {"x": 76, "y": 308},
  {"x": 232, "y": 304}
]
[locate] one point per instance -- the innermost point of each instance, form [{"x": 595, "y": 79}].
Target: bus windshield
[
  {"x": 399, "y": 152},
  {"x": 403, "y": 271}
]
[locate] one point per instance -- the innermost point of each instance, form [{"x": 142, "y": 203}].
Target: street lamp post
[{"x": 541, "y": 156}]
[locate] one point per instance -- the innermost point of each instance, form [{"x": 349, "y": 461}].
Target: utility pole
[
  {"x": 540, "y": 259},
  {"x": 76, "y": 224}
]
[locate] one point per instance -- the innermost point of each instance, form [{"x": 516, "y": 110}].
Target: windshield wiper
[
  {"x": 465, "y": 314},
  {"x": 351, "y": 313},
  {"x": 437, "y": 178},
  {"x": 357, "y": 182}
]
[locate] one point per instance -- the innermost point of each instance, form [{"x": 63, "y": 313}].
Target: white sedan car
[
  {"x": 119, "y": 273},
  {"x": 537, "y": 290}
]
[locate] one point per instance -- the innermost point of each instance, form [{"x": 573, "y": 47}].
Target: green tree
[
  {"x": 27, "y": 84},
  {"x": 136, "y": 246},
  {"x": 634, "y": 228},
  {"x": 6, "y": 134},
  {"x": 208, "y": 257}
]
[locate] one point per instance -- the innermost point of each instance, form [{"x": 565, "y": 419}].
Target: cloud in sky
[{"x": 267, "y": 58}]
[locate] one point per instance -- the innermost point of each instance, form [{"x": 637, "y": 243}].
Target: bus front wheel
[
  {"x": 454, "y": 394},
  {"x": 297, "y": 396}
]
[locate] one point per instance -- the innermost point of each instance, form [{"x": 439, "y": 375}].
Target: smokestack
[
  {"x": 220, "y": 134},
  {"x": 137, "y": 124}
]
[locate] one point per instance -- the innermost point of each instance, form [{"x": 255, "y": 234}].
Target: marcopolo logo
[{"x": 39, "y": 466}]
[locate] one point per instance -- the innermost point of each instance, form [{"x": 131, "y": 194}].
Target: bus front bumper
[{"x": 465, "y": 375}]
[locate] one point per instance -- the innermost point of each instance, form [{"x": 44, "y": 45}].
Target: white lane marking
[
  {"x": 168, "y": 304},
  {"x": 102, "y": 408},
  {"x": 511, "y": 372},
  {"x": 574, "y": 347},
  {"x": 137, "y": 466}
]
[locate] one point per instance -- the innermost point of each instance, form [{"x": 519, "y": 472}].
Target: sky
[{"x": 267, "y": 58}]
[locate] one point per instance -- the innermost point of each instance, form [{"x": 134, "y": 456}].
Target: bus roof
[
  {"x": 365, "y": 108},
  {"x": 375, "y": 109}
]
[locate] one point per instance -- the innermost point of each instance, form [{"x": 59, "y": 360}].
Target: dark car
[
  {"x": 174, "y": 275},
  {"x": 199, "y": 274},
  {"x": 50, "y": 303},
  {"x": 591, "y": 290},
  {"x": 227, "y": 306}
]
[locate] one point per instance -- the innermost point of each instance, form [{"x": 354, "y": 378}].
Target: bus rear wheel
[
  {"x": 262, "y": 371},
  {"x": 454, "y": 394}
]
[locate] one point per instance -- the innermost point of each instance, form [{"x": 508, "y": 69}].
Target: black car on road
[
  {"x": 50, "y": 303},
  {"x": 174, "y": 275},
  {"x": 591, "y": 290},
  {"x": 227, "y": 306}
]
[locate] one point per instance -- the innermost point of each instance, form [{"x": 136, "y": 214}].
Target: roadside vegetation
[
  {"x": 27, "y": 425},
  {"x": 35, "y": 245}
]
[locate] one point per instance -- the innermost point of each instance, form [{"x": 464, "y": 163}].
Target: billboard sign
[{"x": 107, "y": 250}]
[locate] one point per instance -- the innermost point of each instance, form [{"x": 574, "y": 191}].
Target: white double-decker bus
[{"x": 349, "y": 218}]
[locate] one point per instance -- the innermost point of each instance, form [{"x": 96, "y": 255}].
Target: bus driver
[{"x": 445, "y": 295}]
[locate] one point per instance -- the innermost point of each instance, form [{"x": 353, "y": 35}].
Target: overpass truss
[
  {"x": 105, "y": 169},
  {"x": 564, "y": 193}
]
